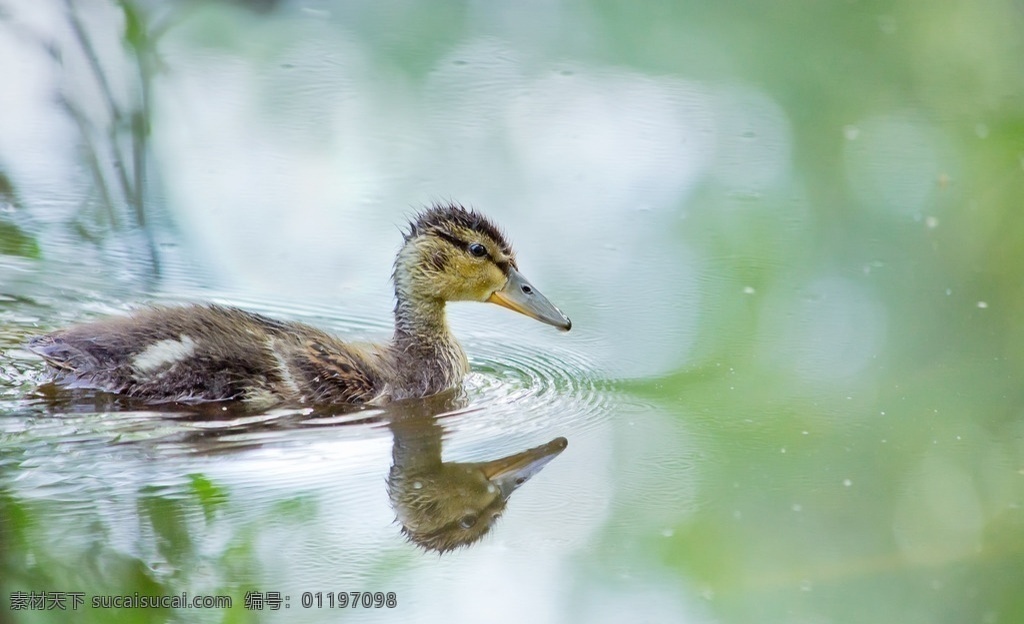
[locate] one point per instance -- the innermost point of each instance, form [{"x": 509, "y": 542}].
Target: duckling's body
[{"x": 215, "y": 353}]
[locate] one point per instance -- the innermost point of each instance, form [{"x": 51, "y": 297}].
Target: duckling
[
  {"x": 201, "y": 353},
  {"x": 444, "y": 505}
]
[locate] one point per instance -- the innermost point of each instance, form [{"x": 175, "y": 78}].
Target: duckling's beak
[
  {"x": 510, "y": 472},
  {"x": 519, "y": 295}
]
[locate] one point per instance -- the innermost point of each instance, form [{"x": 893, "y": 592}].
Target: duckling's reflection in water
[
  {"x": 444, "y": 505},
  {"x": 440, "y": 505}
]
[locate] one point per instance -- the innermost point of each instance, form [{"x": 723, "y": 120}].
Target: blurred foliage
[
  {"x": 31, "y": 565},
  {"x": 16, "y": 243},
  {"x": 809, "y": 478},
  {"x": 13, "y": 240},
  {"x": 114, "y": 132},
  {"x": 35, "y": 557},
  {"x": 210, "y": 495}
]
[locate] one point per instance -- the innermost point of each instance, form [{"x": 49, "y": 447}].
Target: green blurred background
[{"x": 789, "y": 236}]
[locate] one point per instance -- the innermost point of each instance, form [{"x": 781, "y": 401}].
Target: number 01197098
[{"x": 342, "y": 600}]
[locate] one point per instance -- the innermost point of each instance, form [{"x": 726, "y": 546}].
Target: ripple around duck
[{"x": 525, "y": 387}]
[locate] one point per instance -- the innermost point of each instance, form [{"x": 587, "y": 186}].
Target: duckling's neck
[
  {"x": 426, "y": 358},
  {"x": 420, "y": 322}
]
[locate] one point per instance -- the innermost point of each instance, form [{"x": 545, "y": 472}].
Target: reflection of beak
[
  {"x": 519, "y": 295},
  {"x": 510, "y": 472}
]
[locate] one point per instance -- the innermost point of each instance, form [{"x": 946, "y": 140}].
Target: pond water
[{"x": 788, "y": 237}]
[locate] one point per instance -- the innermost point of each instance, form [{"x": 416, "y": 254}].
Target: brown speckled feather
[{"x": 210, "y": 353}]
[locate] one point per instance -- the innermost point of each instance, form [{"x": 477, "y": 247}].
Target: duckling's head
[
  {"x": 456, "y": 254},
  {"x": 450, "y": 505}
]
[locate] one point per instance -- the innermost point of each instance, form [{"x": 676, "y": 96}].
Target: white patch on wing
[
  {"x": 282, "y": 366},
  {"x": 164, "y": 353}
]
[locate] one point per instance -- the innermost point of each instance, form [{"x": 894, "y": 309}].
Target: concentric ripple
[{"x": 522, "y": 383}]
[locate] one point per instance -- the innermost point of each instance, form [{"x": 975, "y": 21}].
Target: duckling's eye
[
  {"x": 478, "y": 250},
  {"x": 467, "y": 522}
]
